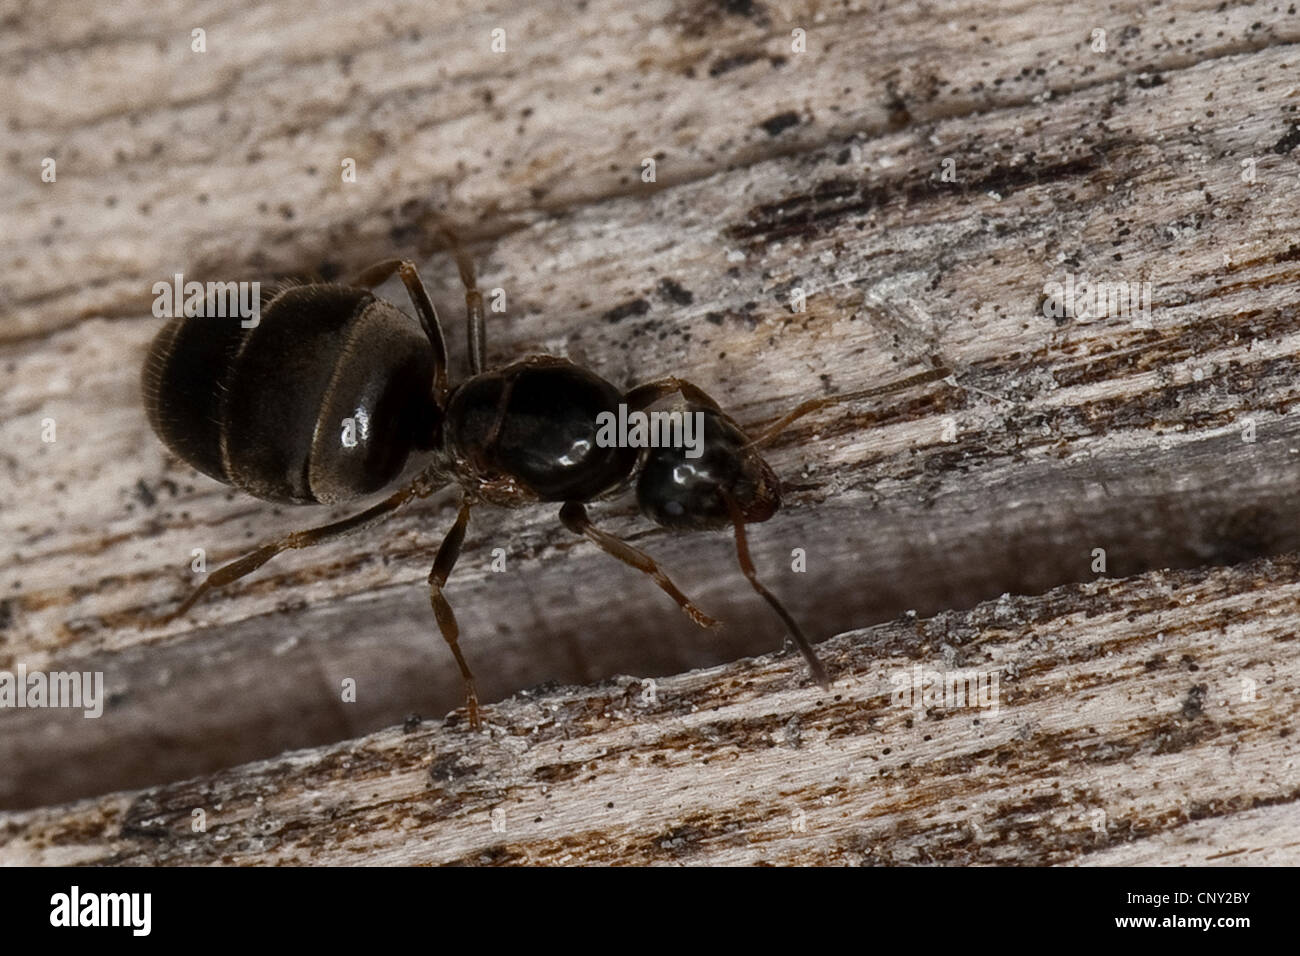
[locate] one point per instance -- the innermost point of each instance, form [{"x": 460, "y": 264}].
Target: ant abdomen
[
  {"x": 678, "y": 491},
  {"x": 321, "y": 401}
]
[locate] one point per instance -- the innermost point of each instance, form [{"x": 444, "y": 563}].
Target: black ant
[{"x": 264, "y": 409}]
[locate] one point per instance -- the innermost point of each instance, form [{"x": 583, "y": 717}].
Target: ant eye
[{"x": 683, "y": 473}]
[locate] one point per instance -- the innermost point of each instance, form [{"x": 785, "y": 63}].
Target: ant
[{"x": 261, "y": 409}]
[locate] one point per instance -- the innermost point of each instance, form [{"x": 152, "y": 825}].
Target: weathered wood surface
[
  {"x": 1066, "y": 435},
  {"x": 1148, "y": 720}
]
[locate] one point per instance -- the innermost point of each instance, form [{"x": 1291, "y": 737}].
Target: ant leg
[
  {"x": 299, "y": 539},
  {"x": 814, "y": 404},
  {"x": 442, "y": 565},
  {"x": 475, "y": 327},
  {"x": 380, "y": 273},
  {"x": 747, "y": 566},
  {"x": 573, "y": 515}
]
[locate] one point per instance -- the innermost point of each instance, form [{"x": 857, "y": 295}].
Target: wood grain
[
  {"x": 1152, "y": 727},
  {"x": 776, "y": 170}
]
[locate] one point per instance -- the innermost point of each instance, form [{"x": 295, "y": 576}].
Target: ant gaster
[{"x": 262, "y": 409}]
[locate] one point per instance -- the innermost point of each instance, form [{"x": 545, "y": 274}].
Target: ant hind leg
[{"x": 297, "y": 539}]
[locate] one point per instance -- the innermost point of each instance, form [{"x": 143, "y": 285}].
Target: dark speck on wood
[
  {"x": 674, "y": 291},
  {"x": 621, "y": 312},
  {"x": 779, "y": 123}
]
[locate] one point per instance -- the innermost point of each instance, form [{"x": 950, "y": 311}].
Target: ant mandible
[{"x": 260, "y": 409}]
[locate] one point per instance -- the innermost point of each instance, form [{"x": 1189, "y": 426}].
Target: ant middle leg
[
  {"x": 573, "y": 515},
  {"x": 442, "y": 565},
  {"x": 380, "y": 273}
]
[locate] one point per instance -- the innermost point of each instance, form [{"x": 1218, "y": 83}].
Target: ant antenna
[
  {"x": 738, "y": 519},
  {"x": 747, "y": 566},
  {"x": 813, "y": 404}
]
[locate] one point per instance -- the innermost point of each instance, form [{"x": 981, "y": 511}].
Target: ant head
[{"x": 688, "y": 487}]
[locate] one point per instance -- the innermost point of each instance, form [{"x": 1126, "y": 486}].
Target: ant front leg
[
  {"x": 573, "y": 515},
  {"x": 442, "y": 565}
]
